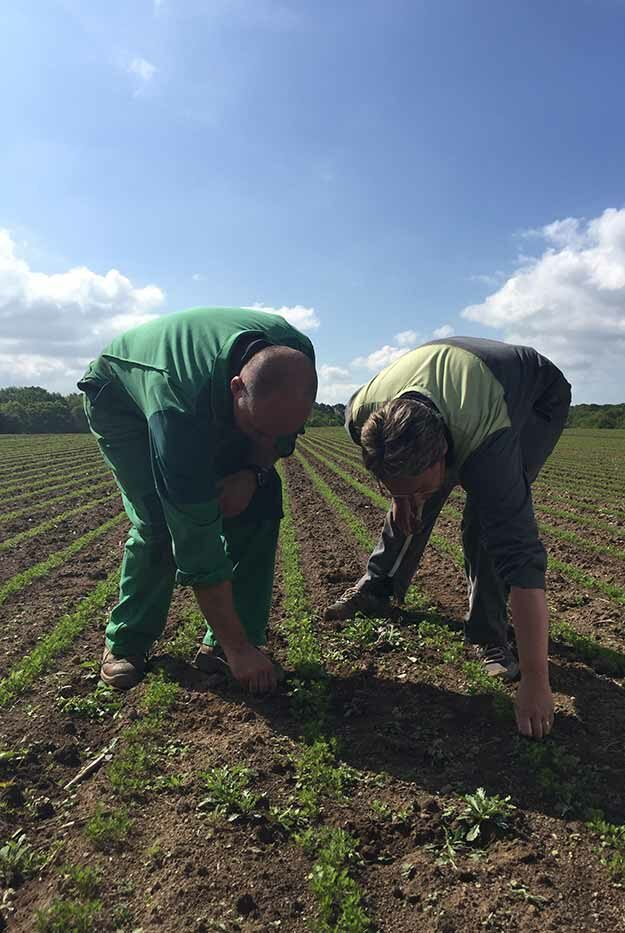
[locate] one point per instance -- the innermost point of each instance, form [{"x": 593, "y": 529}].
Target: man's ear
[{"x": 237, "y": 387}]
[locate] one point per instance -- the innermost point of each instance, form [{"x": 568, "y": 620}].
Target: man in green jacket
[
  {"x": 191, "y": 411},
  {"x": 484, "y": 415}
]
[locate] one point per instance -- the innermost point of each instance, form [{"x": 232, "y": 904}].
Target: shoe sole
[{"x": 120, "y": 681}]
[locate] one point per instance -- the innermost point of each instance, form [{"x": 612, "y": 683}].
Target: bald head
[
  {"x": 280, "y": 371},
  {"x": 273, "y": 394}
]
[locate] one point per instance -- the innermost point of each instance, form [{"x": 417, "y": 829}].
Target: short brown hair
[{"x": 403, "y": 438}]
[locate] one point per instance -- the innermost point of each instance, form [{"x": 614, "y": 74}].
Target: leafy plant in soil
[
  {"x": 485, "y": 816},
  {"x": 318, "y": 776},
  {"x": 338, "y": 896},
  {"x": 102, "y": 702},
  {"x": 107, "y": 829},
  {"x": 18, "y": 861},
  {"x": 63, "y": 915},
  {"x": 81, "y": 880},
  {"x": 229, "y": 794},
  {"x": 612, "y": 840}
]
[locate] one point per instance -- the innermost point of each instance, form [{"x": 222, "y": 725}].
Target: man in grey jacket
[{"x": 484, "y": 415}]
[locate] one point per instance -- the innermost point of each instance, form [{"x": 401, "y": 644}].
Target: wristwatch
[{"x": 261, "y": 474}]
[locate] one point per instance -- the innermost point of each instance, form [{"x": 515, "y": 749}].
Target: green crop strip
[
  {"x": 79, "y": 476},
  {"x": 337, "y": 894},
  {"x": 360, "y": 532},
  {"x": 83, "y": 509},
  {"x": 46, "y": 469},
  {"x": 47, "y": 476},
  {"x": 21, "y": 580},
  {"x": 64, "y": 633},
  {"x": 48, "y": 480},
  {"x": 80, "y": 490}
]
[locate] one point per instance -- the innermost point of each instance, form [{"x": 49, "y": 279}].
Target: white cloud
[
  {"x": 52, "y": 325},
  {"x": 407, "y": 338},
  {"x": 328, "y": 373},
  {"x": 380, "y": 358},
  {"x": 197, "y": 277},
  {"x": 441, "y": 332},
  {"x": 570, "y": 302},
  {"x": 297, "y": 315},
  {"x": 143, "y": 69}
]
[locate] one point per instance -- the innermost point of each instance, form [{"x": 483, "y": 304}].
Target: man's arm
[
  {"x": 534, "y": 701},
  {"x": 248, "y": 665},
  {"x": 494, "y": 476}
]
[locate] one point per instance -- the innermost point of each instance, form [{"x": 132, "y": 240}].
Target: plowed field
[{"x": 382, "y": 788}]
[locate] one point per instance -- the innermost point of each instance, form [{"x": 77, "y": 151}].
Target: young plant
[
  {"x": 108, "y": 829},
  {"x": 18, "y": 861},
  {"x": 484, "y": 816},
  {"x": 64, "y": 915},
  {"x": 229, "y": 794}
]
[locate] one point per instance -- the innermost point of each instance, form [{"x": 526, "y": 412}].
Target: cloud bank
[
  {"x": 569, "y": 303},
  {"x": 52, "y": 325}
]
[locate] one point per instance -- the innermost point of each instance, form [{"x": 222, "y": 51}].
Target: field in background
[{"x": 350, "y": 800}]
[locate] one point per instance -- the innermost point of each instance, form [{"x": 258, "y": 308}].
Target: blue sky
[{"x": 373, "y": 168}]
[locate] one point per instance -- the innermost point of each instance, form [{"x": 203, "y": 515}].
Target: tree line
[{"x": 33, "y": 410}]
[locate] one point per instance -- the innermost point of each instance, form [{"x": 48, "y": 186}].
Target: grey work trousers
[{"x": 396, "y": 557}]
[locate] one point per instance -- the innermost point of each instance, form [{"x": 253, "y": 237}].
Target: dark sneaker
[
  {"x": 121, "y": 673},
  {"x": 355, "y": 600},
  {"x": 212, "y": 661},
  {"x": 500, "y": 661}
]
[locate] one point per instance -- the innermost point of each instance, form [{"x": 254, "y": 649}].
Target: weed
[
  {"x": 18, "y": 861},
  {"x": 229, "y": 793},
  {"x": 160, "y": 695},
  {"x": 81, "y": 880},
  {"x": 520, "y": 890},
  {"x": 612, "y": 840},
  {"x": 447, "y": 643},
  {"x": 107, "y": 829},
  {"x": 184, "y": 643},
  {"x": 318, "y": 776},
  {"x": 559, "y": 775},
  {"x": 484, "y": 815},
  {"x": 104, "y": 701},
  {"x": 64, "y": 915},
  {"x": 338, "y": 896},
  {"x": 291, "y": 819}
]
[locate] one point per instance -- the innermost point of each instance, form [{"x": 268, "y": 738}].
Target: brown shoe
[
  {"x": 121, "y": 673},
  {"x": 355, "y": 600},
  {"x": 213, "y": 661}
]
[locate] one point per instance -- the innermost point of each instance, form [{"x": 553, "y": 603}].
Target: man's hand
[
  {"x": 252, "y": 669},
  {"x": 407, "y": 514},
  {"x": 236, "y": 493},
  {"x": 534, "y": 707}
]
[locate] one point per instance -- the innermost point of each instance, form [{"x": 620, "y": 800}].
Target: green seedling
[
  {"x": 338, "y": 896},
  {"x": 18, "y": 861},
  {"x": 520, "y": 890},
  {"x": 291, "y": 819},
  {"x": 81, "y": 880},
  {"x": 612, "y": 841},
  {"x": 104, "y": 701},
  {"x": 318, "y": 777},
  {"x": 229, "y": 794},
  {"x": 64, "y": 915},
  {"x": 108, "y": 829},
  {"x": 484, "y": 815}
]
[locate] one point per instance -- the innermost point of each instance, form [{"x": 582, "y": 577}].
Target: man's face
[
  {"x": 267, "y": 420},
  {"x": 416, "y": 490}
]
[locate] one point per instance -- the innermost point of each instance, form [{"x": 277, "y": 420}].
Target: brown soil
[{"x": 405, "y": 720}]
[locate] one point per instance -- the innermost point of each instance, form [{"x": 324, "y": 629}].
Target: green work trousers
[{"x": 148, "y": 568}]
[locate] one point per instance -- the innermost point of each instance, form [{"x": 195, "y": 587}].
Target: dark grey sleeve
[{"x": 495, "y": 478}]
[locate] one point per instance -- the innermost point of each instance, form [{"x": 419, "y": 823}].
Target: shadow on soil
[{"x": 449, "y": 742}]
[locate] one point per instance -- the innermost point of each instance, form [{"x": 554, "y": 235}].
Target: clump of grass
[
  {"x": 229, "y": 793},
  {"x": 481, "y": 682},
  {"x": 612, "y": 840},
  {"x": 470, "y": 828},
  {"x": 338, "y": 895},
  {"x": 319, "y": 777},
  {"x": 81, "y": 880},
  {"x": 108, "y": 829},
  {"x": 447, "y": 643},
  {"x": 63, "y": 915},
  {"x": 560, "y": 776},
  {"x": 102, "y": 702},
  {"x": 18, "y": 861},
  {"x": 131, "y": 771}
]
